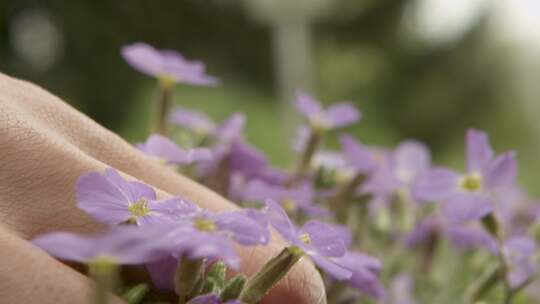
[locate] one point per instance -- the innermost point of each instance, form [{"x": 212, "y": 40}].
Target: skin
[{"x": 45, "y": 145}]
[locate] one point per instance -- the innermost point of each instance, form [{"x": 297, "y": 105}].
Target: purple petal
[
  {"x": 324, "y": 238},
  {"x": 479, "y": 151},
  {"x": 163, "y": 148},
  {"x": 364, "y": 271},
  {"x": 435, "y": 185},
  {"x": 133, "y": 190},
  {"x": 331, "y": 268},
  {"x": 97, "y": 196},
  {"x": 471, "y": 237},
  {"x": 232, "y": 129},
  {"x": 501, "y": 171},
  {"x": 206, "y": 299},
  {"x": 143, "y": 58},
  {"x": 278, "y": 218},
  {"x": 126, "y": 245},
  {"x": 162, "y": 272},
  {"x": 358, "y": 156},
  {"x": 244, "y": 229},
  {"x": 198, "y": 244},
  {"x": 519, "y": 252},
  {"x": 246, "y": 159},
  {"x": 342, "y": 114},
  {"x": 463, "y": 207},
  {"x": 307, "y": 105},
  {"x": 411, "y": 159},
  {"x": 193, "y": 120},
  {"x": 422, "y": 232}
]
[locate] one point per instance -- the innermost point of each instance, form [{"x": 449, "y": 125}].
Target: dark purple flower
[
  {"x": 166, "y": 64},
  {"x": 121, "y": 245},
  {"x": 112, "y": 200},
  {"x": 519, "y": 254},
  {"x": 336, "y": 116},
  {"x": 197, "y": 122},
  {"x": 164, "y": 149},
  {"x": 469, "y": 196},
  {"x": 211, "y": 299},
  {"x": 326, "y": 248}
]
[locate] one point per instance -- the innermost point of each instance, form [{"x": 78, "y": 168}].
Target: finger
[
  {"x": 28, "y": 275},
  {"x": 75, "y": 145}
]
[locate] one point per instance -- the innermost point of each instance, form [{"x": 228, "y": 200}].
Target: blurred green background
[{"x": 424, "y": 69}]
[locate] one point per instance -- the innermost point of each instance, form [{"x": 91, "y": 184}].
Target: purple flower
[
  {"x": 359, "y": 157},
  {"x": 197, "y": 122},
  {"x": 519, "y": 254},
  {"x": 164, "y": 149},
  {"x": 401, "y": 290},
  {"x": 197, "y": 234},
  {"x": 211, "y": 299},
  {"x": 299, "y": 198},
  {"x": 410, "y": 160},
  {"x": 121, "y": 245},
  {"x": 336, "y": 116},
  {"x": 112, "y": 200},
  {"x": 469, "y": 196},
  {"x": 166, "y": 64},
  {"x": 462, "y": 237},
  {"x": 326, "y": 247}
]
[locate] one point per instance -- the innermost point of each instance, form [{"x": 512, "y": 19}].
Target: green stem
[
  {"x": 136, "y": 294},
  {"x": 271, "y": 273},
  {"x": 164, "y": 102},
  {"x": 312, "y": 145},
  {"x": 484, "y": 284},
  {"x": 344, "y": 194},
  {"x": 188, "y": 273},
  {"x": 105, "y": 274}
]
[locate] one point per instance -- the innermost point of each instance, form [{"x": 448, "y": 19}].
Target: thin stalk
[
  {"x": 344, "y": 194},
  {"x": 312, "y": 145},
  {"x": 163, "y": 106},
  {"x": 105, "y": 274}
]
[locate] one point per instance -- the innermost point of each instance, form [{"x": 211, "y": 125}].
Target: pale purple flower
[
  {"x": 121, "y": 245},
  {"x": 298, "y": 198},
  {"x": 326, "y": 247},
  {"x": 519, "y": 253},
  {"x": 410, "y": 160},
  {"x": 469, "y": 196},
  {"x": 401, "y": 290},
  {"x": 211, "y": 299},
  {"x": 112, "y": 200},
  {"x": 197, "y": 122},
  {"x": 358, "y": 157},
  {"x": 164, "y": 149},
  {"x": 336, "y": 116},
  {"x": 167, "y": 64}
]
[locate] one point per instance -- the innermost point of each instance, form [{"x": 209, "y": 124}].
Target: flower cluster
[{"x": 394, "y": 204}]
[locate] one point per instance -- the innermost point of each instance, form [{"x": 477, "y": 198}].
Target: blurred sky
[{"x": 425, "y": 69}]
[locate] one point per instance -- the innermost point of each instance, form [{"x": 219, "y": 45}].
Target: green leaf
[
  {"x": 136, "y": 294},
  {"x": 234, "y": 288}
]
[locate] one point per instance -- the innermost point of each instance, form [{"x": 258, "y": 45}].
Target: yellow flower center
[
  {"x": 289, "y": 205},
  {"x": 305, "y": 238},
  {"x": 471, "y": 182},
  {"x": 139, "y": 208},
  {"x": 204, "y": 224},
  {"x": 166, "y": 81}
]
